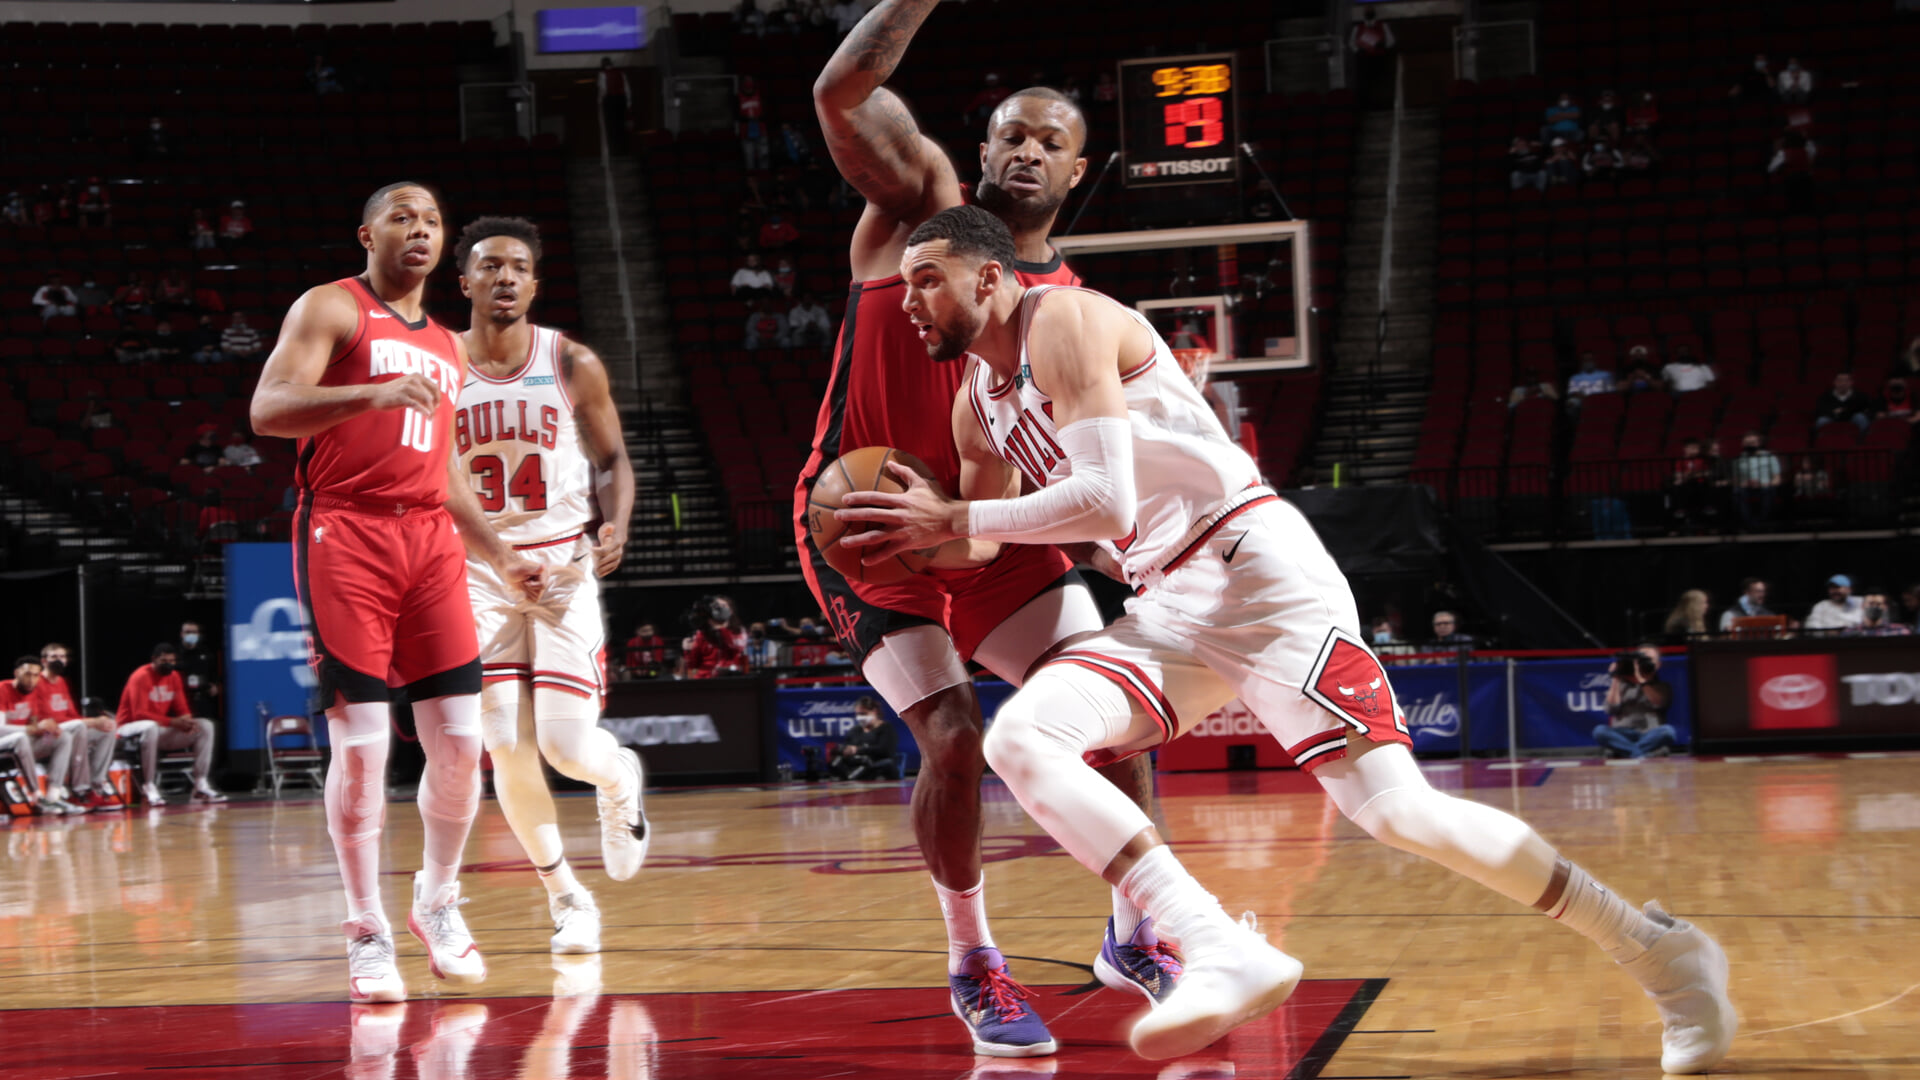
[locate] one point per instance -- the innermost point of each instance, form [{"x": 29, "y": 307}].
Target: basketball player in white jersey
[
  {"x": 539, "y": 439},
  {"x": 1237, "y": 597}
]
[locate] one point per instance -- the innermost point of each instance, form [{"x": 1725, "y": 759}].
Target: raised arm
[
  {"x": 290, "y": 403},
  {"x": 599, "y": 420},
  {"x": 875, "y": 142}
]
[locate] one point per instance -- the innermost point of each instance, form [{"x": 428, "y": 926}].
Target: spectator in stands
[
  {"x": 1897, "y": 401},
  {"x": 1640, "y": 374},
  {"x": 1563, "y": 163},
  {"x": 55, "y": 700},
  {"x": 751, "y": 125},
  {"x": 766, "y": 328},
  {"x": 718, "y": 644},
  {"x": 1372, "y": 43},
  {"x": 1637, "y": 155},
  {"x": 1843, "y": 403},
  {"x": 97, "y": 416},
  {"x": 205, "y": 451},
  {"x": 1446, "y": 631},
  {"x": 748, "y": 17},
  {"x": 16, "y": 211},
  {"x": 200, "y": 235},
  {"x": 1811, "y": 484},
  {"x": 1601, "y": 161},
  {"x": 1526, "y": 165},
  {"x": 1841, "y": 610},
  {"x": 1876, "y": 616},
  {"x": 203, "y": 345},
  {"x": 239, "y": 452},
  {"x": 199, "y": 669},
  {"x": 1637, "y": 700},
  {"x": 811, "y": 647},
  {"x": 322, "y": 79},
  {"x": 777, "y": 232},
  {"x": 1643, "y": 116},
  {"x": 133, "y": 298},
  {"x": 980, "y": 106},
  {"x": 1692, "y": 486},
  {"x": 1756, "y": 82},
  {"x": 616, "y": 97},
  {"x": 847, "y": 15},
  {"x": 95, "y": 207},
  {"x": 1756, "y": 480},
  {"x": 240, "y": 341},
  {"x": 154, "y": 143},
  {"x": 872, "y": 749},
  {"x": 1608, "y": 120},
  {"x": 794, "y": 144},
  {"x": 784, "y": 276},
  {"x": 1687, "y": 372},
  {"x": 166, "y": 347},
  {"x": 763, "y": 651},
  {"x": 1793, "y": 158},
  {"x": 155, "y": 692},
  {"x": 1688, "y": 619},
  {"x": 1590, "y": 379},
  {"x": 752, "y": 279},
  {"x": 174, "y": 292},
  {"x": 1534, "y": 383},
  {"x": 646, "y": 655},
  {"x": 1794, "y": 84},
  {"x": 1562, "y": 120},
  {"x": 130, "y": 346},
  {"x": 1751, "y": 604},
  {"x": 48, "y": 740},
  {"x": 809, "y": 324},
  {"x": 54, "y": 299},
  {"x": 94, "y": 300},
  {"x": 235, "y": 225}
]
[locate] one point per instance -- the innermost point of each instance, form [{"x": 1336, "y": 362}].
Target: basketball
[{"x": 864, "y": 469}]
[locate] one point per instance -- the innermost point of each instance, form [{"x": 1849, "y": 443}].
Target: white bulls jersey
[
  {"x": 522, "y": 451},
  {"x": 1185, "y": 468}
]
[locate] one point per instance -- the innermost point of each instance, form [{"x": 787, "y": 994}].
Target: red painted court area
[{"x": 805, "y": 1035}]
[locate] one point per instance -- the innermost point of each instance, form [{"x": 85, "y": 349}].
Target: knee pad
[
  {"x": 505, "y": 710},
  {"x": 359, "y": 810}
]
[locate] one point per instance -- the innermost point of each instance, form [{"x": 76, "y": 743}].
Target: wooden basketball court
[{"x": 789, "y": 932}]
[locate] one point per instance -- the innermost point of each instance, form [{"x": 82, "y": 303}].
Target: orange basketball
[{"x": 864, "y": 469}]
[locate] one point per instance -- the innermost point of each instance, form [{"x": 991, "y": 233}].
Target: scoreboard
[{"x": 1180, "y": 120}]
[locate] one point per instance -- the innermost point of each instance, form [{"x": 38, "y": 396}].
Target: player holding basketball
[
  {"x": 535, "y": 426},
  {"x": 912, "y": 638},
  {"x": 1237, "y": 597},
  {"x": 367, "y": 382}
]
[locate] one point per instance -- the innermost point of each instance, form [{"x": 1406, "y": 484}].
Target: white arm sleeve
[{"x": 1096, "y": 502}]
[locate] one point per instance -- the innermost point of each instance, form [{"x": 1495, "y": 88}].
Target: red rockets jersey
[{"x": 388, "y": 455}]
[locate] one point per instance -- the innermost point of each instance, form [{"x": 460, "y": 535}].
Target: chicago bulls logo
[{"x": 1348, "y": 681}]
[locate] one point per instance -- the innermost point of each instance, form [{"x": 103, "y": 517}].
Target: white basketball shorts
[{"x": 556, "y": 642}]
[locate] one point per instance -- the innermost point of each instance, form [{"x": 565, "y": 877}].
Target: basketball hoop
[{"x": 1195, "y": 363}]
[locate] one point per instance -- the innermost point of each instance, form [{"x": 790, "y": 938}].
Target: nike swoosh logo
[{"x": 1228, "y": 557}]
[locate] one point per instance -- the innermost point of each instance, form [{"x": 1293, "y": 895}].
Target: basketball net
[{"x": 1195, "y": 363}]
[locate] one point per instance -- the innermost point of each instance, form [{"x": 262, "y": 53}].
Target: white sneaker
[
  {"x": 436, "y": 921},
  {"x": 1685, "y": 973},
  {"x": 152, "y": 795},
  {"x": 204, "y": 792},
  {"x": 576, "y": 923},
  {"x": 623, "y": 823},
  {"x": 1227, "y": 981},
  {"x": 372, "y": 974}
]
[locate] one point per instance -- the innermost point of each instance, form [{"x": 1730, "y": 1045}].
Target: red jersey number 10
[{"x": 416, "y": 432}]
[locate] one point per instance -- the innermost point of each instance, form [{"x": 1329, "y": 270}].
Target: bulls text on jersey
[{"x": 488, "y": 421}]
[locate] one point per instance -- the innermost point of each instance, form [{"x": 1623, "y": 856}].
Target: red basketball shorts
[{"x": 385, "y": 595}]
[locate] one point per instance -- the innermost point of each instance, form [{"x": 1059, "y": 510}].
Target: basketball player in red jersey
[
  {"x": 911, "y": 638},
  {"x": 367, "y": 382}
]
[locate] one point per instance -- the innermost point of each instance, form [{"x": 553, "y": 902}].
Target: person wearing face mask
[
  {"x": 46, "y": 740},
  {"x": 872, "y": 749},
  {"x": 156, "y": 693},
  {"x": 1385, "y": 642},
  {"x": 94, "y": 206},
  {"x": 763, "y": 651},
  {"x": 200, "y": 670},
  {"x": 718, "y": 645},
  {"x": 56, "y": 700},
  {"x": 1876, "y": 617}
]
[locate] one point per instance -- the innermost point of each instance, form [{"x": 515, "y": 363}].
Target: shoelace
[
  {"x": 371, "y": 955},
  {"x": 1163, "y": 958},
  {"x": 445, "y": 923},
  {"x": 1004, "y": 993}
]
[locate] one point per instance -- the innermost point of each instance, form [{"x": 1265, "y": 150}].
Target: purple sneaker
[
  {"x": 995, "y": 1008},
  {"x": 1142, "y": 965}
]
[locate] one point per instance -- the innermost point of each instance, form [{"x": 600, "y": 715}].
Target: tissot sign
[{"x": 1808, "y": 691}]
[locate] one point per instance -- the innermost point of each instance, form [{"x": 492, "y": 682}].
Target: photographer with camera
[
  {"x": 1637, "y": 701},
  {"x": 718, "y": 645},
  {"x": 872, "y": 750}
]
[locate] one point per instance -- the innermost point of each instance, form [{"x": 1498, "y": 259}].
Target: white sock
[
  {"x": 1621, "y": 930},
  {"x": 365, "y": 905},
  {"x": 1181, "y": 908},
  {"x": 1126, "y": 917},
  {"x": 559, "y": 878},
  {"x": 435, "y": 877},
  {"x": 966, "y": 915}
]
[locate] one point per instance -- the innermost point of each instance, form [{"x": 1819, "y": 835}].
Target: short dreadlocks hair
[{"x": 486, "y": 228}]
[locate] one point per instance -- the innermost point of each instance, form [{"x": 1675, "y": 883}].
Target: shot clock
[{"x": 1179, "y": 122}]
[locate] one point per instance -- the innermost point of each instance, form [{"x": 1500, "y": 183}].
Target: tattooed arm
[{"x": 904, "y": 176}]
